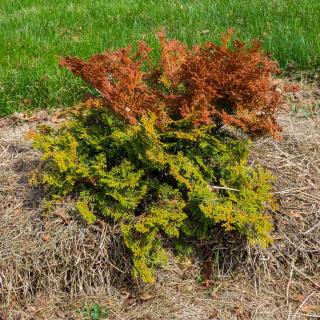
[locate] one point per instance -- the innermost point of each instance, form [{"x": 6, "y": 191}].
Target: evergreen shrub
[{"x": 163, "y": 149}]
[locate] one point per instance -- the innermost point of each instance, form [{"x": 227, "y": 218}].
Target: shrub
[{"x": 158, "y": 152}]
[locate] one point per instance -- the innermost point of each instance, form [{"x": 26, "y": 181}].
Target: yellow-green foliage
[{"x": 157, "y": 185}]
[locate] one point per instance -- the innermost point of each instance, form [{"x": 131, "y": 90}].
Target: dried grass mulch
[{"x": 52, "y": 266}]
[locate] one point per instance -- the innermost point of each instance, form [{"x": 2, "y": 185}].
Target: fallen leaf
[
  {"x": 125, "y": 294},
  {"x": 298, "y": 298},
  {"x": 146, "y": 297},
  {"x": 17, "y": 210},
  {"x": 32, "y": 309},
  {"x": 207, "y": 283},
  {"x": 308, "y": 308},
  {"x": 38, "y": 116},
  {"x": 45, "y": 237},
  {"x": 53, "y": 119},
  {"x": 293, "y": 214},
  {"x": 63, "y": 216},
  {"x": 4, "y": 122},
  {"x": 57, "y": 116}
]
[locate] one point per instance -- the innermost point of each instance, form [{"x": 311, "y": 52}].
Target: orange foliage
[{"x": 208, "y": 84}]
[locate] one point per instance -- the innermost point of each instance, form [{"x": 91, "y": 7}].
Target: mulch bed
[{"x": 52, "y": 266}]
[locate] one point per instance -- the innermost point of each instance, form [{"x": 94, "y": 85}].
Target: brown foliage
[{"x": 207, "y": 84}]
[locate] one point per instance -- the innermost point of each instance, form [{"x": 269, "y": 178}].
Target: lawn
[{"x": 34, "y": 33}]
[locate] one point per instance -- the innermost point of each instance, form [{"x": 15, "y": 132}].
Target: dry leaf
[
  {"x": 298, "y": 298},
  {"x": 4, "y": 122},
  {"x": 17, "y": 210},
  {"x": 294, "y": 214},
  {"x": 146, "y": 297},
  {"x": 57, "y": 116},
  {"x": 208, "y": 283},
  {"x": 127, "y": 295},
  {"x": 308, "y": 308},
  {"x": 53, "y": 119},
  {"x": 63, "y": 216},
  {"x": 32, "y": 309},
  {"x": 45, "y": 237}
]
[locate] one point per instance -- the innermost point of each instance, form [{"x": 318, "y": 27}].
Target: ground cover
[{"x": 52, "y": 267}]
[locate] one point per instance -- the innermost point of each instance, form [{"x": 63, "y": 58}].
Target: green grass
[{"x": 34, "y": 33}]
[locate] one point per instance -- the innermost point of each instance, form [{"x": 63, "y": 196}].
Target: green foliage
[
  {"x": 183, "y": 182},
  {"x": 94, "y": 312}
]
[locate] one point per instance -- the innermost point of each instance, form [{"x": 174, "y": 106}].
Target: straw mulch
[{"x": 52, "y": 266}]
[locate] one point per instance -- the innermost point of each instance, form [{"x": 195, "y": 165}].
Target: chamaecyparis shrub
[{"x": 159, "y": 151}]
